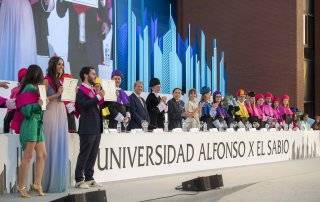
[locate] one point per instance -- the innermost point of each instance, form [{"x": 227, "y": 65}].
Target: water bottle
[
  {"x": 267, "y": 126},
  {"x": 205, "y": 127},
  {"x": 184, "y": 126},
  {"x": 166, "y": 126},
  {"x": 145, "y": 125},
  {"x": 119, "y": 127},
  {"x": 247, "y": 126},
  {"x": 290, "y": 126}
]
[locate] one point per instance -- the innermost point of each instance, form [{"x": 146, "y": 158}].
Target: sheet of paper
[
  {"x": 109, "y": 87},
  {"x": 69, "y": 90},
  {"x": 90, "y": 3},
  {"x": 43, "y": 96}
]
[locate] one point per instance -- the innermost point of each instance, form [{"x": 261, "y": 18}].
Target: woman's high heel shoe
[
  {"x": 23, "y": 191},
  {"x": 37, "y": 188}
]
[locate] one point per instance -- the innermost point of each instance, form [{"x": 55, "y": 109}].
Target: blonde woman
[{"x": 192, "y": 109}]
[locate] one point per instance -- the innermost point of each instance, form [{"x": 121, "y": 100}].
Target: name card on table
[
  {"x": 214, "y": 130},
  {"x": 177, "y": 130},
  {"x": 230, "y": 130},
  {"x": 241, "y": 130},
  {"x": 194, "y": 129},
  {"x": 69, "y": 90},
  {"x": 158, "y": 130}
]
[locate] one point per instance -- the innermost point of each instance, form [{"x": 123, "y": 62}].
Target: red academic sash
[{"x": 22, "y": 100}]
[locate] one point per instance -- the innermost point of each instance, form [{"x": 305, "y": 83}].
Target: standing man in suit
[
  {"x": 138, "y": 107},
  {"x": 90, "y": 128},
  {"x": 87, "y": 29},
  {"x": 156, "y": 105}
]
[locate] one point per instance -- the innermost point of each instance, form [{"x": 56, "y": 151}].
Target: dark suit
[
  {"x": 175, "y": 110},
  {"x": 156, "y": 117},
  {"x": 90, "y": 129},
  {"x": 90, "y": 52},
  {"x": 40, "y": 18},
  {"x": 114, "y": 109},
  {"x": 90, "y": 121},
  {"x": 138, "y": 110}
]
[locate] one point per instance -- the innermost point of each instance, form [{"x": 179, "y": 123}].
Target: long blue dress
[{"x": 56, "y": 173}]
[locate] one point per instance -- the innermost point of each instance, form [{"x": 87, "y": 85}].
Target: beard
[{"x": 91, "y": 81}]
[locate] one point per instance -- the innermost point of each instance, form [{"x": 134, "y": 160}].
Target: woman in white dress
[
  {"x": 192, "y": 109},
  {"x": 17, "y": 38}
]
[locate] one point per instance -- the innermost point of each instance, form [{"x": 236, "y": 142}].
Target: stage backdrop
[
  {"x": 146, "y": 41},
  {"x": 148, "y": 45}
]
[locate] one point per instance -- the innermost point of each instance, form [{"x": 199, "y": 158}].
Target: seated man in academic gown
[
  {"x": 176, "y": 110},
  {"x": 156, "y": 105},
  {"x": 138, "y": 107},
  {"x": 119, "y": 110}
]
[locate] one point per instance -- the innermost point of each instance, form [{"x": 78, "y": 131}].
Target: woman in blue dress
[{"x": 56, "y": 131}]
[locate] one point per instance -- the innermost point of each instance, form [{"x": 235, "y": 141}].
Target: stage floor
[{"x": 297, "y": 180}]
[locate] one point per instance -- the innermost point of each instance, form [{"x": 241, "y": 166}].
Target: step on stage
[{"x": 264, "y": 182}]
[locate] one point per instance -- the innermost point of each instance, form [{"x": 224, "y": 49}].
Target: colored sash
[
  {"x": 122, "y": 97},
  {"x": 222, "y": 112},
  {"x": 285, "y": 111},
  {"x": 26, "y": 98},
  {"x": 268, "y": 111},
  {"x": 89, "y": 93},
  {"x": 22, "y": 100},
  {"x": 80, "y": 8}
]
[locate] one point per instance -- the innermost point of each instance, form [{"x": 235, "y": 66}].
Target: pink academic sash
[{"x": 22, "y": 99}]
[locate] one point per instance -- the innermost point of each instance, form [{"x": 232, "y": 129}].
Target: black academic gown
[
  {"x": 175, "y": 110},
  {"x": 156, "y": 117}
]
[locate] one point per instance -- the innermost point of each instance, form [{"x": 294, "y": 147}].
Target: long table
[{"x": 135, "y": 155}]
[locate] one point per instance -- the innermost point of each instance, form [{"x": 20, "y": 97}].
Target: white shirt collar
[{"x": 137, "y": 94}]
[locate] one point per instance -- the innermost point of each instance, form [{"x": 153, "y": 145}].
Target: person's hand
[
  {"x": 71, "y": 107},
  {"x": 4, "y": 84},
  {"x": 40, "y": 102},
  {"x": 60, "y": 90},
  {"x": 126, "y": 119},
  {"x": 164, "y": 99},
  {"x": 11, "y": 104},
  {"x": 105, "y": 28},
  {"x": 188, "y": 114},
  {"x": 102, "y": 93},
  {"x": 197, "y": 110}
]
